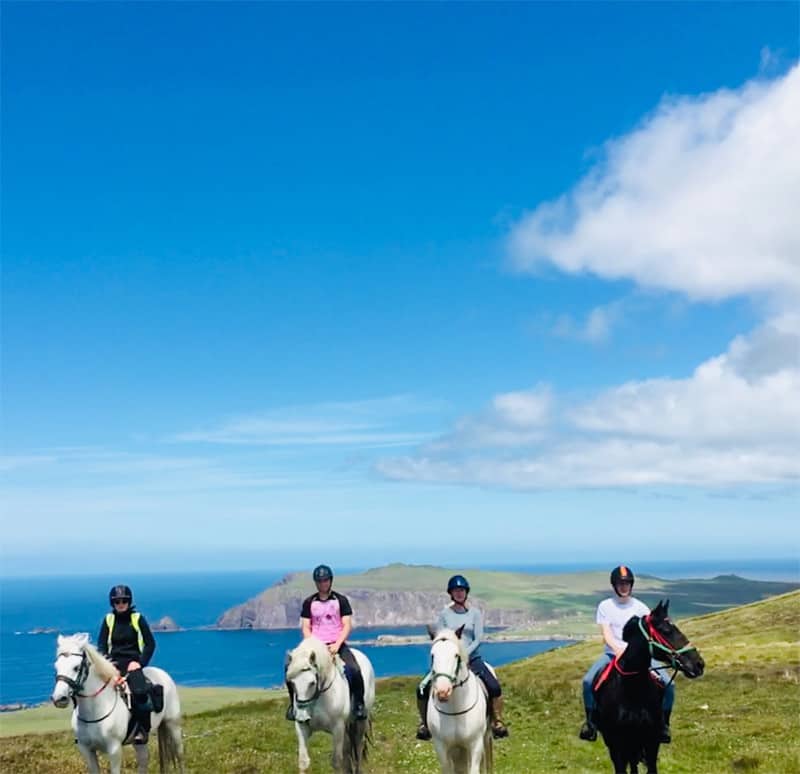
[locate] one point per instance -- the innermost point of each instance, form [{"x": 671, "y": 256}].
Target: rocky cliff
[{"x": 278, "y": 607}]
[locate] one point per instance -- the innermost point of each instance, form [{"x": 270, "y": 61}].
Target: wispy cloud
[
  {"x": 595, "y": 328},
  {"x": 370, "y": 423},
  {"x": 701, "y": 199}
]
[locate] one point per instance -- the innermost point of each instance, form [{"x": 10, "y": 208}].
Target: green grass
[{"x": 743, "y": 715}]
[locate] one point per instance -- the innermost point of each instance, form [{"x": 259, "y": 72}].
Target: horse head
[
  {"x": 72, "y": 668},
  {"x": 448, "y": 661},
  {"x": 668, "y": 643},
  {"x": 308, "y": 669}
]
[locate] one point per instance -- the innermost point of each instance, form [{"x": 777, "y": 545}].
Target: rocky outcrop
[
  {"x": 165, "y": 624},
  {"x": 279, "y": 608}
]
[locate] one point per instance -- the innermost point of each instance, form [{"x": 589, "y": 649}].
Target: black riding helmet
[
  {"x": 457, "y": 582},
  {"x": 120, "y": 592},
  {"x": 322, "y": 573},
  {"x": 621, "y": 573}
]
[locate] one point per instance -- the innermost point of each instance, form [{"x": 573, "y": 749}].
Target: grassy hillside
[{"x": 743, "y": 715}]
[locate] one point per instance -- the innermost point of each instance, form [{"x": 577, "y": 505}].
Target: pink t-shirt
[{"x": 326, "y": 616}]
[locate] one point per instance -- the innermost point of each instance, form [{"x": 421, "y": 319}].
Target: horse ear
[
  {"x": 431, "y": 632},
  {"x": 312, "y": 657},
  {"x": 666, "y": 607},
  {"x": 82, "y": 639},
  {"x": 660, "y": 609},
  {"x": 460, "y": 631}
]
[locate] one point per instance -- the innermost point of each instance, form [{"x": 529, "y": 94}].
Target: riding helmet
[
  {"x": 323, "y": 572},
  {"x": 120, "y": 592},
  {"x": 621, "y": 573},
  {"x": 457, "y": 582}
]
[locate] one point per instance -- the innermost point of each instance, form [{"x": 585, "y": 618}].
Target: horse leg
[
  {"x": 303, "y": 732},
  {"x": 476, "y": 756},
  {"x": 444, "y": 758},
  {"x": 619, "y": 758},
  {"x": 142, "y": 757},
  {"x": 337, "y": 755},
  {"x": 90, "y": 756},
  {"x": 114, "y": 759},
  {"x": 651, "y": 756}
]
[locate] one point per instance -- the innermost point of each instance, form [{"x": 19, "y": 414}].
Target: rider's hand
[
  {"x": 133, "y": 666},
  {"x": 333, "y": 648}
]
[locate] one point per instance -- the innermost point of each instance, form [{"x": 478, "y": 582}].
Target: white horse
[
  {"x": 101, "y": 715},
  {"x": 322, "y": 703},
  {"x": 457, "y": 710}
]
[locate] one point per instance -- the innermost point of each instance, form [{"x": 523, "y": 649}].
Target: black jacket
[{"x": 125, "y": 640}]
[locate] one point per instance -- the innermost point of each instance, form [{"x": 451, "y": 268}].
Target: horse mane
[
  {"x": 448, "y": 635},
  {"x": 104, "y": 668},
  {"x": 310, "y": 650}
]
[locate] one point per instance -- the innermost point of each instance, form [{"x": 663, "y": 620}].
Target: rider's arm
[
  {"x": 347, "y": 627},
  {"x": 149, "y": 642},
  {"x": 608, "y": 637},
  {"x": 478, "y": 632},
  {"x": 102, "y": 638},
  {"x": 305, "y": 618}
]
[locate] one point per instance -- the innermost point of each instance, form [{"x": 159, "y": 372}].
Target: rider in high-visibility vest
[{"x": 126, "y": 639}]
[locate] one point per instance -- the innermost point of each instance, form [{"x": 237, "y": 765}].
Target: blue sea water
[{"x": 231, "y": 658}]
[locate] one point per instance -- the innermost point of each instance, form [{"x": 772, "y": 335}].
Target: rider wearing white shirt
[{"x": 612, "y": 615}]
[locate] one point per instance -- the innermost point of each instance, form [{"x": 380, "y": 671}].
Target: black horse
[{"x": 628, "y": 697}]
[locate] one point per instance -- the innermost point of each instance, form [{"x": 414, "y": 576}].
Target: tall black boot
[
  {"x": 358, "y": 710},
  {"x": 666, "y": 734},
  {"x": 423, "y": 732},
  {"x": 588, "y": 730}
]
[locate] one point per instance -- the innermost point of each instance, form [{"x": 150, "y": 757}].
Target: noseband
[
  {"x": 318, "y": 689},
  {"x": 454, "y": 677}
]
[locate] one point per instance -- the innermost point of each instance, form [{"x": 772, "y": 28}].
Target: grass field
[{"x": 743, "y": 715}]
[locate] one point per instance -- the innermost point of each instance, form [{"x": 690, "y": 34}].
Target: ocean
[{"x": 205, "y": 657}]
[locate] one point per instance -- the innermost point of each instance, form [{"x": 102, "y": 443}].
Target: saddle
[{"x": 153, "y": 703}]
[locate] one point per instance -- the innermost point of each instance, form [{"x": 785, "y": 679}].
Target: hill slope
[{"x": 741, "y": 716}]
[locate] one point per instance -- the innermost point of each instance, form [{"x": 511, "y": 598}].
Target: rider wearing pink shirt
[{"x": 327, "y": 615}]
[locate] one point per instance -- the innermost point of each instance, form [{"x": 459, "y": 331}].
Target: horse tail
[
  {"x": 169, "y": 754},
  {"x": 357, "y": 740}
]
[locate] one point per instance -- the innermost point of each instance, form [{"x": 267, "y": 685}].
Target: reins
[
  {"x": 657, "y": 640},
  {"x": 452, "y": 678}
]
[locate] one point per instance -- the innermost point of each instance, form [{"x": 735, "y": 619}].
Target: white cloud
[
  {"x": 701, "y": 199},
  {"x": 512, "y": 419},
  {"x": 735, "y": 420}
]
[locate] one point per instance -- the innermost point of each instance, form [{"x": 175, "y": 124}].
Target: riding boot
[
  {"x": 588, "y": 730},
  {"x": 423, "y": 732},
  {"x": 141, "y": 711},
  {"x": 499, "y": 730},
  {"x": 290, "y": 708},
  {"x": 666, "y": 734},
  {"x": 359, "y": 711}
]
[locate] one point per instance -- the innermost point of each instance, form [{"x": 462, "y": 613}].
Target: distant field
[{"x": 743, "y": 715}]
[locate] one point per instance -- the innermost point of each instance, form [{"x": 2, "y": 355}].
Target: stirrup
[
  {"x": 499, "y": 730},
  {"x": 423, "y": 732},
  {"x": 588, "y": 732},
  {"x": 666, "y": 736}
]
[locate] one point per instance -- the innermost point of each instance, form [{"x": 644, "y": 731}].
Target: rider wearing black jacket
[{"x": 126, "y": 639}]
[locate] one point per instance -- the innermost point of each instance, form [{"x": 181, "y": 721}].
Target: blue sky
[{"x": 415, "y": 282}]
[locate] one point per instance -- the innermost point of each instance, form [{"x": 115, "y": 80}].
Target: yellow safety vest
[{"x": 134, "y": 623}]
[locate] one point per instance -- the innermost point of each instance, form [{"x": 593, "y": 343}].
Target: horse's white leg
[
  {"x": 475, "y": 757},
  {"x": 115, "y": 759},
  {"x": 303, "y": 731},
  {"x": 444, "y": 759},
  {"x": 142, "y": 757},
  {"x": 337, "y": 757},
  {"x": 90, "y": 756}
]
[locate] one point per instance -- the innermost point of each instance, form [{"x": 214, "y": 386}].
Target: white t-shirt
[{"x": 616, "y": 613}]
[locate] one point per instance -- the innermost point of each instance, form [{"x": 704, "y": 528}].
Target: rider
[
  {"x": 126, "y": 639},
  {"x": 612, "y": 615},
  {"x": 327, "y": 615},
  {"x": 454, "y": 616}
]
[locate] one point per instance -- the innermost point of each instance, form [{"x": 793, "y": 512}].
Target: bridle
[
  {"x": 453, "y": 679},
  {"x": 319, "y": 689},
  {"x": 76, "y": 686},
  {"x": 656, "y": 640}
]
